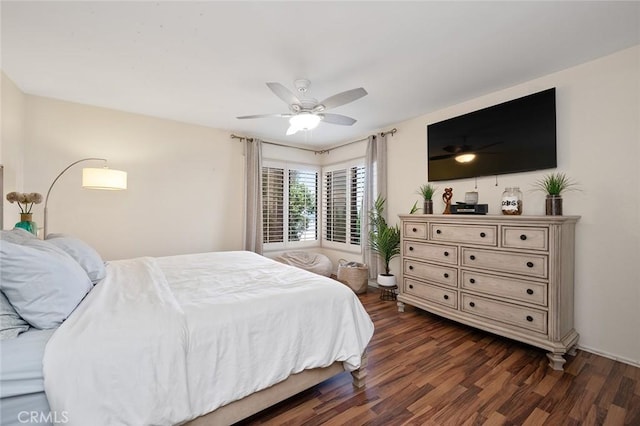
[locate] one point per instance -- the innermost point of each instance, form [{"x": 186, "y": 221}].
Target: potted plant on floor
[
  {"x": 384, "y": 240},
  {"x": 554, "y": 184},
  {"x": 427, "y": 190}
]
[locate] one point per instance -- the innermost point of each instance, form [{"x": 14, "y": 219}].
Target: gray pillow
[
  {"x": 11, "y": 324},
  {"x": 42, "y": 282},
  {"x": 82, "y": 253}
]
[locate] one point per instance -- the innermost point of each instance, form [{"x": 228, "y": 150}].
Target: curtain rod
[{"x": 322, "y": 151}]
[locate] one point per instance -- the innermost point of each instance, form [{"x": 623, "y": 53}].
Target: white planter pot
[{"x": 386, "y": 280}]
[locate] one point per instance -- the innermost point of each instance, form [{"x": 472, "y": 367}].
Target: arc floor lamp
[{"x": 92, "y": 178}]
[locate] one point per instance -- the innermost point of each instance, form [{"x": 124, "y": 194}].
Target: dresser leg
[
  {"x": 556, "y": 361},
  {"x": 573, "y": 350},
  {"x": 400, "y": 306}
]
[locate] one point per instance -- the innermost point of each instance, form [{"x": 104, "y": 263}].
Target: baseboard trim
[{"x": 598, "y": 352}]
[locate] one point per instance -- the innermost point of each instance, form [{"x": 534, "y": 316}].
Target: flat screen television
[{"x": 514, "y": 136}]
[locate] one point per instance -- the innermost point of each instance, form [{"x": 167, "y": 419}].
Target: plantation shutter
[
  {"x": 272, "y": 204},
  {"x": 303, "y": 199},
  {"x": 356, "y": 204},
  {"x": 335, "y": 224}
]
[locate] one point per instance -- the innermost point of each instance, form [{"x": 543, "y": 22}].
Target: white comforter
[{"x": 163, "y": 340}]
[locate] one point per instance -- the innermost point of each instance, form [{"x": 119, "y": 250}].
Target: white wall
[
  {"x": 185, "y": 182},
  {"x": 598, "y": 114},
  {"x": 11, "y": 146}
]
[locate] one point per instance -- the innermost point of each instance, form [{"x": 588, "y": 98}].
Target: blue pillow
[
  {"x": 82, "y": 253},
  {"x": 11, "y": 324},
  {"x": 43, "y": 283},
  {"x": 16, "y": 236}
]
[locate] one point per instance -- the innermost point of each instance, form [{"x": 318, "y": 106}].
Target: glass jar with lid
[{"x": 512, "y": 201}]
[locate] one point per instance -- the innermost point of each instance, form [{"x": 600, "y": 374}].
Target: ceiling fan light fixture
[
  {"x": 465, "y": 158},
  {"x": 304, "y": 121}
]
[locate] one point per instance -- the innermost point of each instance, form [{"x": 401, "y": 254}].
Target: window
[
  {"x": 343, "y": 192},
  {"x": 297, "y": 224}
]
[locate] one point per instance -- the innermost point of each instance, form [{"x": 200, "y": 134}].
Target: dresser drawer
[
  {"x": 415, "y": 230},
  {"x": 435, "y": 252},
  {"x": 526, "y": 291},
  {"x": 466, "y": 234},
  {"x": 534, "y": 265},
  {"x": 522, "y": 237},
  {"x": 430, "y": 272},
  {"x": 531, "y": 319},
  {"x": 431, "y": 293}
]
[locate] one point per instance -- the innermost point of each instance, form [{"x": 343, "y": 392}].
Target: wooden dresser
[{"x": 509, "y": 275}]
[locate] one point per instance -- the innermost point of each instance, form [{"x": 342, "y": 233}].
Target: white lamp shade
[{"x": 104, "y": 178}]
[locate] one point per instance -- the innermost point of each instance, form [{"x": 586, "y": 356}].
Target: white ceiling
[{"x": 208, "y": 62}]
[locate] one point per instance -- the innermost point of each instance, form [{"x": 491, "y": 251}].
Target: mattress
[{"x": 22, "y": 398}]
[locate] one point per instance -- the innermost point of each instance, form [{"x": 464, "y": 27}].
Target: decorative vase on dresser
[
  {"x": 509, "y": 275},
  {"x": 27, "y": 223}
]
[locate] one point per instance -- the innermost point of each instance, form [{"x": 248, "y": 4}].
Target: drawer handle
[
  {"x": 472, "y": 280},
  {"x": 530, "y": 264},
  {"x": 410, "y": 248},
  {"x": 446, "y": 253},
  {"x": 529, "y": 318},
  {"x": 438, "y": 231},
  {"x": 482, "y": 235},
  {"x": 472, "y": 257},
  {"x": 411, "y": 267},
  {"x": 472, "y": 304},
  {"x": 410, "y": 285},
  {"x": 446, "y": 297},
  {"x": 523, "y": 237},
  {"x": 446, "y": 275},
  {"x": 415, "y": 229},
  {"x": 529, "y": 291}
]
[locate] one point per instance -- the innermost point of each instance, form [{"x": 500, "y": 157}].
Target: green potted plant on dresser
[
  {"x": 384, "y": 240},
  {"x": 554, "y": 184},
  {"x": 426, "y": 191}
]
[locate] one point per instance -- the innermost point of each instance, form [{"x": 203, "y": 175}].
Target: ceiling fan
[{"x": 306, "y": 112}]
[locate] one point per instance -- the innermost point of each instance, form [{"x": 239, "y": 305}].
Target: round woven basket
[{"x": 353, "y": 274}]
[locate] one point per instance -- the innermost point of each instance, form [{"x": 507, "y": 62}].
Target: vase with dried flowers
[{"x": 25, "y": 203}]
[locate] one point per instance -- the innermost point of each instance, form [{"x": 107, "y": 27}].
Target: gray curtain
[
  {"x": 375, "y": 184},
  {"x": 253, "y": 195}
]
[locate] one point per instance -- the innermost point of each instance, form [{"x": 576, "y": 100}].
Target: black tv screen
[{"x": 514, "y": 136}]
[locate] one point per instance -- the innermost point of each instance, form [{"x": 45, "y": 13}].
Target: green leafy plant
[
  {"x": 384, "y": 240},
  {"x": 555, "y": 184},
  {"x": 414, "y": 208},
  {"x": 427, "y": 190}
]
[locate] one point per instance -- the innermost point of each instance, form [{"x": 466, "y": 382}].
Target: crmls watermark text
[{"x": 38, "y": 417}]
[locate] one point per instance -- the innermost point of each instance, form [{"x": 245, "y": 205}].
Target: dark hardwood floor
[{"x": 426, "y": 370}]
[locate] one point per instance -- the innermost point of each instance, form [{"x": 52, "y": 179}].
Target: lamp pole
[{"x": 46, "y": 200}]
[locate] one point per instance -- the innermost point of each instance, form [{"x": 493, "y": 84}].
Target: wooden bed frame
[{"x": 296, "y": 383}]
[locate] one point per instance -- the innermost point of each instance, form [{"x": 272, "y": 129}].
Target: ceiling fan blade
[
  {"x": 338, "y": 119},
  {"x": 442, "y": 157},
  {"x": 284, "y": 93},
  {"x": 265, "y": 116},
  {"x": 343, "y": 98}
]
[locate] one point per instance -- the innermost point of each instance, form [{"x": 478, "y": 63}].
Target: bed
[{"x": 207, "y": 338}]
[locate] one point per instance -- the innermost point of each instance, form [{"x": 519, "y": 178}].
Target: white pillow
[
  {"x": 11, "y": 324},
  {"x": 82, "y": 253},
  {"x": 42, "y": 282}
]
